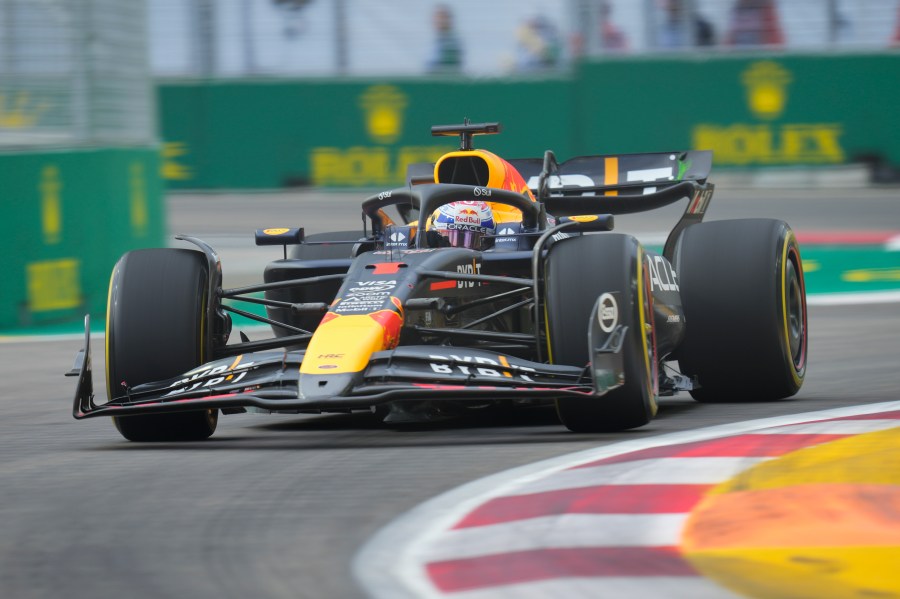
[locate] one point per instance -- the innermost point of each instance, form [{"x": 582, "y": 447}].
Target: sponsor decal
[
  {"x": 673, "y": 318},
  {"x": 464, "y": 216},
  {"x": 584, "y": 218},
  {"x": 662, "y": 275},
  {"x": 608, "y": 313},
  {"x": 649, "y": 175},
  {"x": 365, "y": 296},
  {"x": 763, "y": 142},
  {"x": 560, "y": 181},
  {"x": 275, "y": 231},
  {"x": 231, "y": 373},
  {"x": 469, "y": 227},
  {"x": 364, "y": 166},
  {"x": 327, "y": 366},
  {"x": 381, "y": 162},
  {"x": 482, "y": 192},
  {"x": 478, "y": 366},
  {"x": 700, "y": 202},
  {"x": 468, "y": 269},
  {"x": 397, "y": 239}
]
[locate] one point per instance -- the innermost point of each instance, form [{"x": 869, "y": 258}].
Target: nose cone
[
  {"x": 344, "y": 343},
  {"x": 340, "y": 350},
  {"x": 323, "y": 387}
]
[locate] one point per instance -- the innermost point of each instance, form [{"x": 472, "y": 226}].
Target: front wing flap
[{"x": 270, "y": 381}]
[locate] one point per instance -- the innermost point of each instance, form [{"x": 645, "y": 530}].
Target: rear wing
[
  {"x": 590, "y": 184},
  {"x": 623, "y": 184},
  {"x": 616, "y": 184}
]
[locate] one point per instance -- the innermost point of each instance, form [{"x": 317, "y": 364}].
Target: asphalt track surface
[{"x": 277, "y": 506}]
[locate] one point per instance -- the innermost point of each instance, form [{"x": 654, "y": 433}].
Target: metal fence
[
  {"x": 74, "y": 73},
  {"x": 238, "y": 38}
]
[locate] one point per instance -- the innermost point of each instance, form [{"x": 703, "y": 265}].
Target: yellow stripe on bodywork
[
  {"x": 505, "y": 363},
  {"x": 233, "y": 366},
  {"x": 611, "y": 173}
]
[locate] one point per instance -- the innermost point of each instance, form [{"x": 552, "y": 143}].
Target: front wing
[{"x": 271, "y": 381}]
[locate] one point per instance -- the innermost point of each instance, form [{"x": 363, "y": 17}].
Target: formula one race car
[{"x": 482, "y": 280}]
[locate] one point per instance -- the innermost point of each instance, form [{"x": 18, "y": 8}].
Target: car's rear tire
[
  {"x": 745, "y": 310},
  {"x": 578, "y": 271},
  {"x": 155, "y": 329}
]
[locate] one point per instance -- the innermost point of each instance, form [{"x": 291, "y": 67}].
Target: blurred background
[{"x": 108, "y": 106}]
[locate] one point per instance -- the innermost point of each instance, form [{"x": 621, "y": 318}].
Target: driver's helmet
[{"x": 463, "y": 224}]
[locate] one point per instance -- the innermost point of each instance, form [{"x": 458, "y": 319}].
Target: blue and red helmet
[{"x": 463, "y": 224}]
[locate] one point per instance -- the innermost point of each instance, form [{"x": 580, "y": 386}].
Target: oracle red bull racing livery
[{"x": 482, "y": 280}]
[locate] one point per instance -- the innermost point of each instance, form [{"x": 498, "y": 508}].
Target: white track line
[
  {"x": 666, "y": 471},
  {"x": 560, "y": 531}
]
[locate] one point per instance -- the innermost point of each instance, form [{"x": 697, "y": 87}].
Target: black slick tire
[
  {"x": 155, "y": 329},
  {"x": 744, "y": 300},
  {"x": 578, "y": 270}
]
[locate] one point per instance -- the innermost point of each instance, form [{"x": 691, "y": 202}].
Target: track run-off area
[{"x": 344, "y": 506}]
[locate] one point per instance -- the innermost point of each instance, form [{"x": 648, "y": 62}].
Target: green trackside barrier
[
  {"x": 753, "y": 111},
  {"x": 349, "y": 133},
  {"x": 67, "y": 217}
]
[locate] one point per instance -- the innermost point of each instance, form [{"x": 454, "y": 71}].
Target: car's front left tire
[{"x": 578, "y": 271}]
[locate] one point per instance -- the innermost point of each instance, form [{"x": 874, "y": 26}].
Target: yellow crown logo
[
  {"x": 766, "y": 84},
  {"x": 383, "y": 106},
  {"x": 19, "y": 112}
]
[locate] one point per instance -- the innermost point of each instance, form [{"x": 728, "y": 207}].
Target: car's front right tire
[{"x": 155, "y": 329}]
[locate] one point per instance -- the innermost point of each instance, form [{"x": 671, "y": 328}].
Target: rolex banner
[{"x": 752, "y": 111}]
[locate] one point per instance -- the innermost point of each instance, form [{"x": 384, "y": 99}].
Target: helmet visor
[{"x": 461, "y": 238}]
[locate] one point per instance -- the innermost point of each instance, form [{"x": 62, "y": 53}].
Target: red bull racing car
[{"x": 482, "y": 280}]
